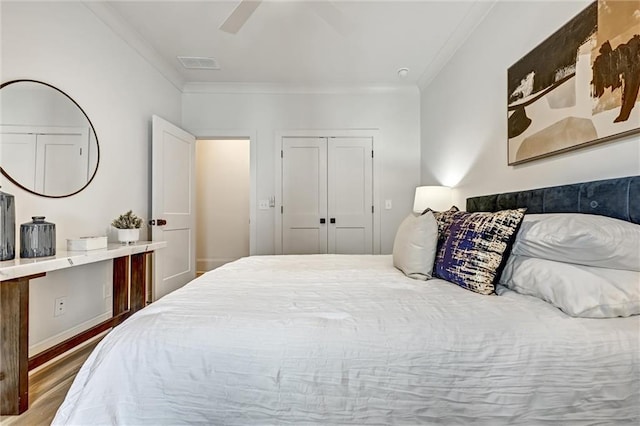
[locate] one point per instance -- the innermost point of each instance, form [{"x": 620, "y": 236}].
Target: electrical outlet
[
  {"x": 263, "y": 205},
  {"x": 60, "y": 306}
]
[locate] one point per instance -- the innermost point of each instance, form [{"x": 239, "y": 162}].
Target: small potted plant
[{"x": 128, "y": 226}]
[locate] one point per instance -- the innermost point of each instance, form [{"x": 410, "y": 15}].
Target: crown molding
[
  {"x": 273, "y": 88},
  {"x": 474, "y": 16},
  {"x": 126, "y": 32}
]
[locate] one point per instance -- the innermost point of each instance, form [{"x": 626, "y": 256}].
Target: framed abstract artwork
[{"x": 579, "y": 86}]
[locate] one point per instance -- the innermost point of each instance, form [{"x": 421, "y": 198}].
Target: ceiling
[{"x": 289, "y": 43}]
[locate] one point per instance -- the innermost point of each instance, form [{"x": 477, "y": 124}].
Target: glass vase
[
  {"x": 7, "y": 227},
  {"x": 37, "y": 238}
]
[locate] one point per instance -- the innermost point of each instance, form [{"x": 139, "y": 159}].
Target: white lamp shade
[{"x": 437, "y": 198}]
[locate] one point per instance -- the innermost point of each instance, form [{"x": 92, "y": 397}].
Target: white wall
[
  {"x": 394, "y": 113},
  {"x": 222, "y": 202},
  {"x": 464, "y": 118},
  {"x": 64, "y": 44}
]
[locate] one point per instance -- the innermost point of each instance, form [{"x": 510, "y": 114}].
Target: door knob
[
  {"x": 158, "y": 222},
  {"x": 323, "y": 220},
  {"x": 332, "y": 220}
]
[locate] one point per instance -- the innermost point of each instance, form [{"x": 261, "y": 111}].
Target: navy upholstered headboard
[{"x": 618, "y": 198}]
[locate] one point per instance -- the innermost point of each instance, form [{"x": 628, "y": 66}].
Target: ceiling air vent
[{"x": 198, "y": 63}]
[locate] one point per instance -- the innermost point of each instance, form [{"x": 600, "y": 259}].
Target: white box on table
[{"x": 86, "y": 243}]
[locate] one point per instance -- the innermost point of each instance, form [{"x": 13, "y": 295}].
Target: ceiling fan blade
[
  {"x": 331, "y": 15},
  {"x": 239, "y": 16}
]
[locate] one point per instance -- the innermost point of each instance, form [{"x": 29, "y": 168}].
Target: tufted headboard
[{"x": 618, "y": 198}]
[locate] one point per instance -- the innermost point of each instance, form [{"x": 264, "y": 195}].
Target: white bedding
[{"x": 331, "y": 339}]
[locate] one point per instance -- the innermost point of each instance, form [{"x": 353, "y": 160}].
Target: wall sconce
[{"x": 437, "y": 198}]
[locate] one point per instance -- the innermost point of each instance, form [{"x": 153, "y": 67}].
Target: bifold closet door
[
  {"x": 350, "y": 201},
  {"x": 18, "y": 155},
  {"x": 327, "y": 195},
  {"x": 47, "y": 160},
  {"x": 304, "y": 195},
  {"x": 62, "y": 162}
]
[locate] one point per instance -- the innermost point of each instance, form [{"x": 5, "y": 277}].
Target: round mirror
[{"x": 48, "y": 145}]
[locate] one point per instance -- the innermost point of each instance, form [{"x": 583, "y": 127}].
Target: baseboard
[{"x": 60, "y": 337}]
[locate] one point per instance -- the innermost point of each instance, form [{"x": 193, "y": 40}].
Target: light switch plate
[
  {"x": 263, "y": 204},
  {"x": 388, "y": 205}
]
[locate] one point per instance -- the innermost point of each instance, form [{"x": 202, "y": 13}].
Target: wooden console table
[{"x": 129, "y": 293}]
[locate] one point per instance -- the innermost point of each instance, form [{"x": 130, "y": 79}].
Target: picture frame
[{"x": 578, "y": 87}]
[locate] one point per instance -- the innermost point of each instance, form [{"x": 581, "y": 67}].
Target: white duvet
[{"x": 331, "y": 339}]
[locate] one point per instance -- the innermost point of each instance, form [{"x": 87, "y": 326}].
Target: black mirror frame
[{"x": 5, "y": 174}]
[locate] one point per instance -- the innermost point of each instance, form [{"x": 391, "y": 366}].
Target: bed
[{"x": 350, "y": 339}]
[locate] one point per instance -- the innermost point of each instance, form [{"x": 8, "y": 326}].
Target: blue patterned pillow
[
  {"x": 444, "y": 220},
  {"x": 475, "y": 248}
]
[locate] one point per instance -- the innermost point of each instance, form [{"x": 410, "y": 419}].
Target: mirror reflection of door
[
  {"x": 222, "y": 202},
  {"x": 47, "y": 143},
  {"x": 46, "y": 160},
  {"x": 62, "y": 162}
]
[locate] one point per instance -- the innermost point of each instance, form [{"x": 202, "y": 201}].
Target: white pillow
[
  {"x": 580, "y": 291},
  {"x": 580, "y": 238},
  {"x": 414, "y": 248}
]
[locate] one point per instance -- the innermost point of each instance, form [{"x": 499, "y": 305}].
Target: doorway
[{"x": 223, "y": 188}]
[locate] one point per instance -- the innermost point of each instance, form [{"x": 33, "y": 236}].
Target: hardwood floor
[{"x": 48, "y": 386}]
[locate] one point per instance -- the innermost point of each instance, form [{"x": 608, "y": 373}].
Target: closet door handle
[
  {"x": 332, "y": 220},
  {"x": 323, "y": 220}
]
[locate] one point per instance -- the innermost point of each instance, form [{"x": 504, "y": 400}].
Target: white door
[
  {"x": 48, "y": 160},
  {"x": 327, "y": 195},
  {"x": 18, "y": 157},
  {"x": 172, "y": 206},
  {"x": 304, "y": 195},
  {"x": 350, "y": 177},
  {"x": 62, "y": 164}
]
